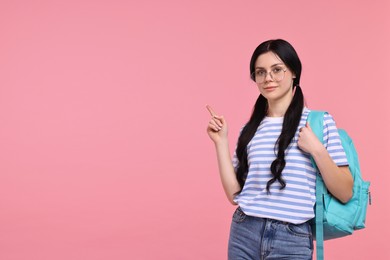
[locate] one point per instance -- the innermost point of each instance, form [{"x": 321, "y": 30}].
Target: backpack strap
[{"x": 316, "y": 121}]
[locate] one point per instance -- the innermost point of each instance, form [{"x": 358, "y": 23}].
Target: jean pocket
[
  {"x": 301, "y": 230},
  {"x": 239, "y": 215}
]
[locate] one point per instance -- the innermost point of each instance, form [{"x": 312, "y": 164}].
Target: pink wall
[{"x": 103, "y": 149}]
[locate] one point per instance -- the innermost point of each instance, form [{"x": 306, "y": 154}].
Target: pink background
[{"x": 103, "y": 148}]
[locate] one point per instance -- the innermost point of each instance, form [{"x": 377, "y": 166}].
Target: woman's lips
[{"x": 270, "y": 88}]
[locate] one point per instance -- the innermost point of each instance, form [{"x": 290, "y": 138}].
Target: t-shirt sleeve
[
  {"x": 332, "y": 141},
  {"x": 235, "y": 161}
]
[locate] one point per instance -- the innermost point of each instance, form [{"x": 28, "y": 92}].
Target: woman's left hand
[{"x": 308, "y": 141}]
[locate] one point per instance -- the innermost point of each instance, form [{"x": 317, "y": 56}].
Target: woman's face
[{"x": 278, "y": 87}]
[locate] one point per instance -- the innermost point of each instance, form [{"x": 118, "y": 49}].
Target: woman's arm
[
  {"x": 226, "y": 171},
  {"x": 217, "y": 130},
  {"x": 338, "y": 179}
]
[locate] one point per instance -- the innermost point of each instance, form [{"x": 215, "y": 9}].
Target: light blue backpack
[{"x": 333, "y": 219}]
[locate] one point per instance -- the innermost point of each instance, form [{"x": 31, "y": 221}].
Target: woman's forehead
[{"x": 268, "y": 59}]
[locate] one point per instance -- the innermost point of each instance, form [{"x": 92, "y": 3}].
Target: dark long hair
[{"x": 288, "y": 55}]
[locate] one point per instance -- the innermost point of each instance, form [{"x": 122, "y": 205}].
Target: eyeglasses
[{"x": 276, "y": 74}]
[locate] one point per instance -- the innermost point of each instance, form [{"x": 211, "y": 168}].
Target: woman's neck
[{"x": 277, "y": 109}]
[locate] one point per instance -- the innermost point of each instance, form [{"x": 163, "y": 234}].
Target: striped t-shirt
[{"x": 295, "y": 202}]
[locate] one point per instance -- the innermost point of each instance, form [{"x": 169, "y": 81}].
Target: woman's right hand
[{"x": 217, "y": 128}]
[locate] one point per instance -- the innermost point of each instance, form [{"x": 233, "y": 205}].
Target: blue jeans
[{"x": 265, "y": 239}]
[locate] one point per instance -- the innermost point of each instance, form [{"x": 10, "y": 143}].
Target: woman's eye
[
  {"x": 277, "y": 70},
  {"x": 260, "y": 73}
]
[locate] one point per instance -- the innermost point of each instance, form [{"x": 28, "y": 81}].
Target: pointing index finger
[{"x": 212, "y": 113}]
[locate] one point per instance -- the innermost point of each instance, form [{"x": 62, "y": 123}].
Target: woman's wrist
[
  {"x": 319, "y": 152},
  {"x": 221, "y": 142}
]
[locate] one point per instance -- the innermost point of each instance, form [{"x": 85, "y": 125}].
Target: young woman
[{"x": 271, "y": 177}]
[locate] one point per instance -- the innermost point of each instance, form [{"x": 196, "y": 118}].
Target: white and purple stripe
[{"x": 295, "y": 202}]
